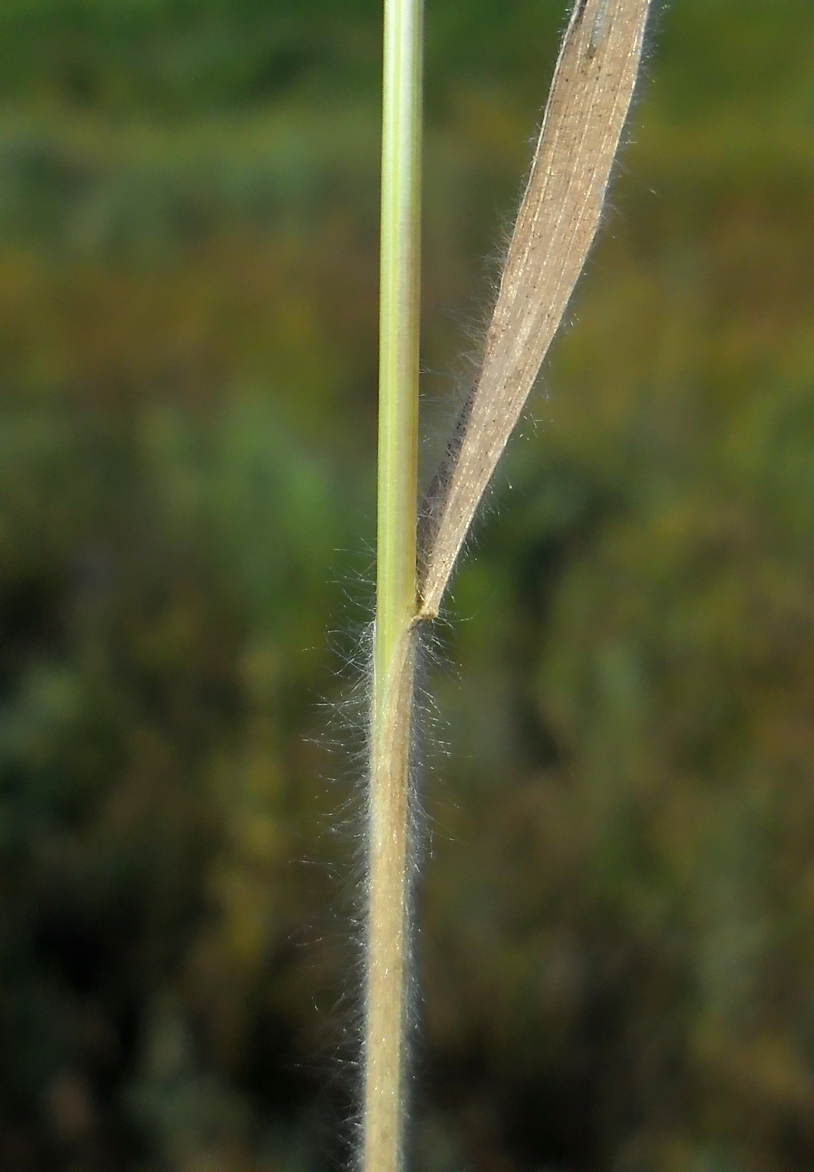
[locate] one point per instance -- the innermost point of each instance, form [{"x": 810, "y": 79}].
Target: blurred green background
[{"x": 617, "y": 940}]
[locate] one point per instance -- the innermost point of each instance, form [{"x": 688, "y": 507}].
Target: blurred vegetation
[{"x": 618, "y": 915}]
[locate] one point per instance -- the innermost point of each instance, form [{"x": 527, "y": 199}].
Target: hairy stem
[{"x": 388, "y": 918}]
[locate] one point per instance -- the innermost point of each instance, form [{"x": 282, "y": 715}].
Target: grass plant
[{"x": 590, "y": 97}]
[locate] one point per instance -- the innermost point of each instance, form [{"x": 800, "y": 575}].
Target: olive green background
[{"x": 617, "y": 914}]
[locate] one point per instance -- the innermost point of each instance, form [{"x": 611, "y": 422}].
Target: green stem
[{"x": 396, "y": 604}]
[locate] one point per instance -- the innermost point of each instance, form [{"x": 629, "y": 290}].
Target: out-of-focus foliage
[{"x": 619, "y": 905}]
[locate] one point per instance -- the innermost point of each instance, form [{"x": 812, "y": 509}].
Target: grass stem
[{"x": 389, "y": 865}]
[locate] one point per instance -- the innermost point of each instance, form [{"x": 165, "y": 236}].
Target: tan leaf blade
[{"x": 561, "y": 209}]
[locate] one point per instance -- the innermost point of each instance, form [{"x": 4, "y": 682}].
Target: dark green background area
[{"x": 617, "y": 917}]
